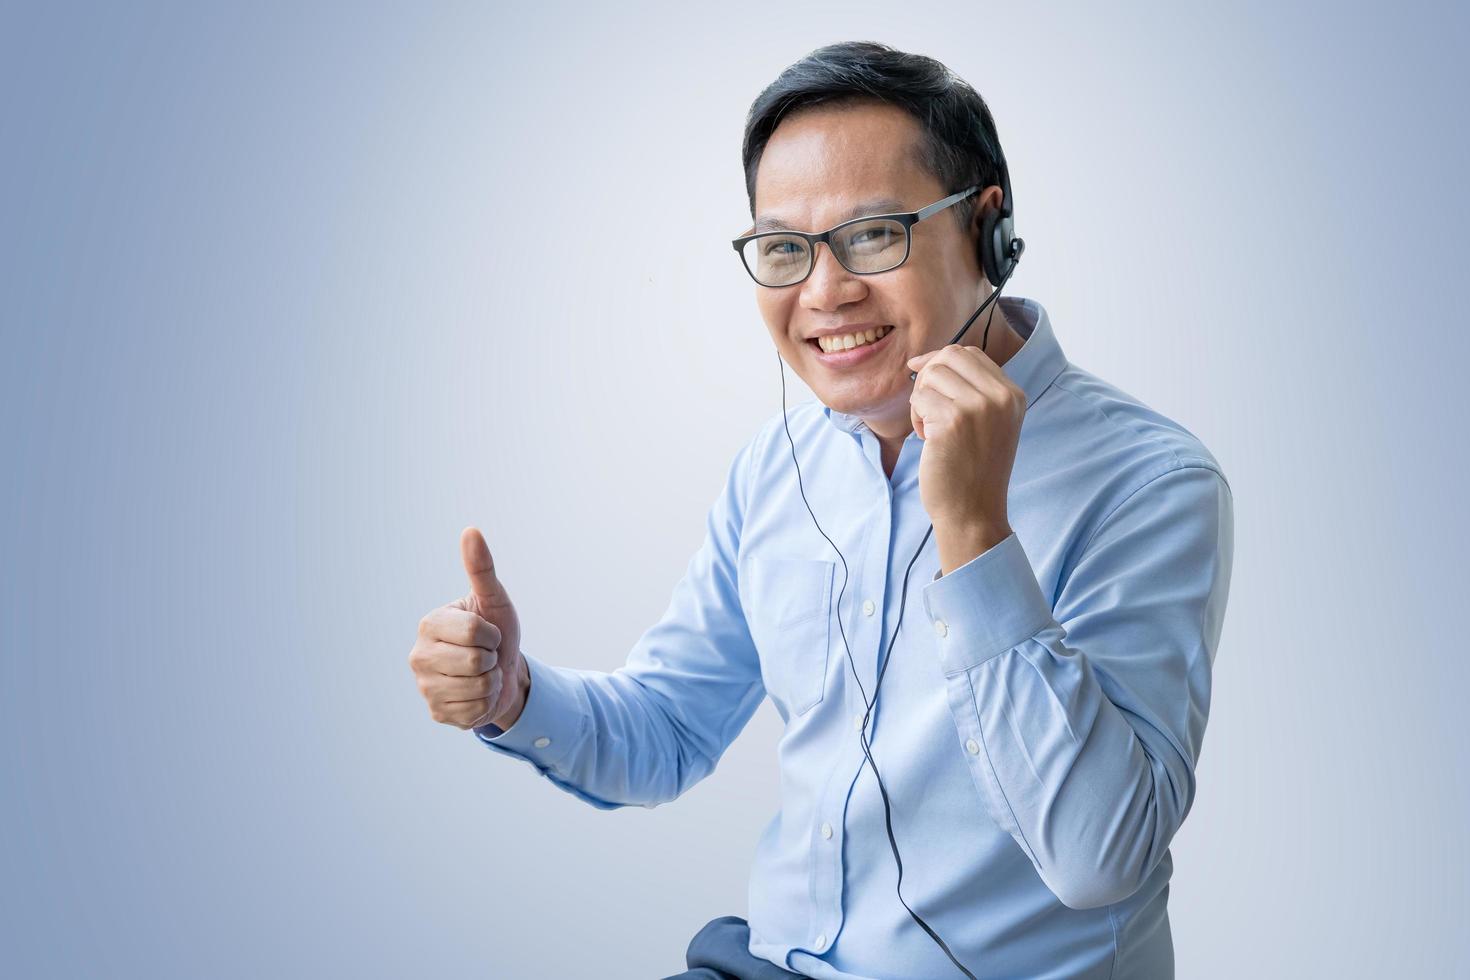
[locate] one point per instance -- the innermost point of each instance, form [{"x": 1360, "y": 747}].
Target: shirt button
[
  {"x": 972, "y": 746},
  {"x": 542, "y": 742},
  {"x": 857, "y": 723},
  {"x": 940, "y": 628},
  {"x": 827, "y": 831},
  {"x": 822, "y": 939},
  {"x": 868, "y": 607}
]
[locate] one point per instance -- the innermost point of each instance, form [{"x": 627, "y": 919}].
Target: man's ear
[{"x": 988, "y": 199}]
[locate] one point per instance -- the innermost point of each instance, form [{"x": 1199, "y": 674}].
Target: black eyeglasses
[{"x": 864, "y": 246}]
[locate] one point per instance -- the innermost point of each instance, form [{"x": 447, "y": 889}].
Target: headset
[{"x": 1000, "y": 251}]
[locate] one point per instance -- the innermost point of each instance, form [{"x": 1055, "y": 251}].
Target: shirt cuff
[
  {"x": 551, "y": 722},
  {"x": 987, "y": 606}
]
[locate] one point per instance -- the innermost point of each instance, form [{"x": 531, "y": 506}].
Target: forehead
[{"x": 825, "y": 164}]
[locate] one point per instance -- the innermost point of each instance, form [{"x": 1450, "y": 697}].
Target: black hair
[{"x": 959, "y": 146}]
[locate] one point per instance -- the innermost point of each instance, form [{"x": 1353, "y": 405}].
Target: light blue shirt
[{"x": 1038, "y": 726}]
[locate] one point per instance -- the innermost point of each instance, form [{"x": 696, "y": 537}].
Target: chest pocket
[{"x": 788, "y": 605}]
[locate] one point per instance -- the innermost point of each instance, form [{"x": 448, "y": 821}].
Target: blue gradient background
[{"x": 291, "y": 296}]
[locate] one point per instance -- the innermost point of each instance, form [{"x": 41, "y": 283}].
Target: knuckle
[
  {"x": 419, "y": 659},
  {"x": 470, "y": 632}
]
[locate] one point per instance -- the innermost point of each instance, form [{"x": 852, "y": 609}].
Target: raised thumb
[{"x": 480, "y": 567}]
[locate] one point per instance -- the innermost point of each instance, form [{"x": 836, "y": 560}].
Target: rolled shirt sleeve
[{"x": 1081, "y": 722}]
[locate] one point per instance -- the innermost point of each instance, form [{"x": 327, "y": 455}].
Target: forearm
[
  {"x": 1093, "y": 793},
  {"x": 632, "y": 737},
  {"x": 1093, "y": 801}
]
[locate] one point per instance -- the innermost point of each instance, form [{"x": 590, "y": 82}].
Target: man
[{"x": 1043, "y": 705}]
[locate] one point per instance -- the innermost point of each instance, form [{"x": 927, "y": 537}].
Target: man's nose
[{"x": 829, "y": 285}]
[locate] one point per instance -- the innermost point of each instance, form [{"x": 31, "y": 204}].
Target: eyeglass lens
[{"x": 862, "y": 247}]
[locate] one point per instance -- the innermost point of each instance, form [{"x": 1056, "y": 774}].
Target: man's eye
[{"x": 885, "y": 234}]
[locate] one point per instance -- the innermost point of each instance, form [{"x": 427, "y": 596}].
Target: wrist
[
  {"x": 512, "y": 714},
  {"x": 960, "y": 543}
]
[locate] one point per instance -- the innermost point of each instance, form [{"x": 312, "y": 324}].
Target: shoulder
[
  {"x": 1095, "y": 452},
  {"x": 775, "y": 435},
  {"x": 1140, "y": 441}
]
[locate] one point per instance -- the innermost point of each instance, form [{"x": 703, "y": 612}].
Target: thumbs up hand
[{"x": 467, "y": 657}]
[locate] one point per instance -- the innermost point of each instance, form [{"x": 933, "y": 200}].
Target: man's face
[{"x": 819, "y": 164}]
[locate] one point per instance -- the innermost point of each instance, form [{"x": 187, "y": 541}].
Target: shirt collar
[{"x": 1034, "y": 367}]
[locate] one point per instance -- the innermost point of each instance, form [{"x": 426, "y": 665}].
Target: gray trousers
[{"x": 719, "y": 952}]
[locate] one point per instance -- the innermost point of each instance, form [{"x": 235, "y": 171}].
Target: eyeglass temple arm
[{"x": 923, "y": 213}]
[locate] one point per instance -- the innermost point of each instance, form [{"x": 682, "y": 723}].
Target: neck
[{"x": 1001, "y": 347}]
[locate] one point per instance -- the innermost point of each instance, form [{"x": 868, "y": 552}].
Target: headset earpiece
[
  {"x": 992, "y": 246},
  {"x": 998, "y": 254}
]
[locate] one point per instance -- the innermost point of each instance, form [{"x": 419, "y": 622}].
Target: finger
[
  {"x": 941, "y": 377},
  {"x": 970, "y": 362},
  {"x": 457, "y": 661},
  {"x": 975, "y": 366},
  {"x": 460, "y": 626},
  {"x": 479, "y": 565},
  {"x": 931, "y": 404},
  {"x": 465, "y": 714},
  {"x": 919, "y": 360},
  {"x": 981, "y": 373},
  {"x": 474, "y": 712},
  {"x": 922, "y": 405},
  {"x": 484, "y": 718},
  {"x": 936, "y": 412},
  {"x": 455, "y": 690}
]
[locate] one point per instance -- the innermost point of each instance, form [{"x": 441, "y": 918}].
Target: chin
[{"x": 865, "y": 402}]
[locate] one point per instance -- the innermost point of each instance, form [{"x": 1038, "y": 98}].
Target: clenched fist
[{"x": 468, "y": 655}]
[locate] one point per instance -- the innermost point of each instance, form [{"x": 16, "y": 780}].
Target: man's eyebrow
[{"x": 881, "y": 206}]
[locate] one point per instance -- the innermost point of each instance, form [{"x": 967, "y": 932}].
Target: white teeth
[{"x": 849, "y": 341}]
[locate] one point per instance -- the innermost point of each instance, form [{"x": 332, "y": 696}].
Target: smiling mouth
[
  {"x": 854, "y": 341},
  {"x": 844, "y": 357}
]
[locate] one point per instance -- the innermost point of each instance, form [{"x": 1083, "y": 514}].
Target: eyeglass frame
[{"x": 907, "y": 218}]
